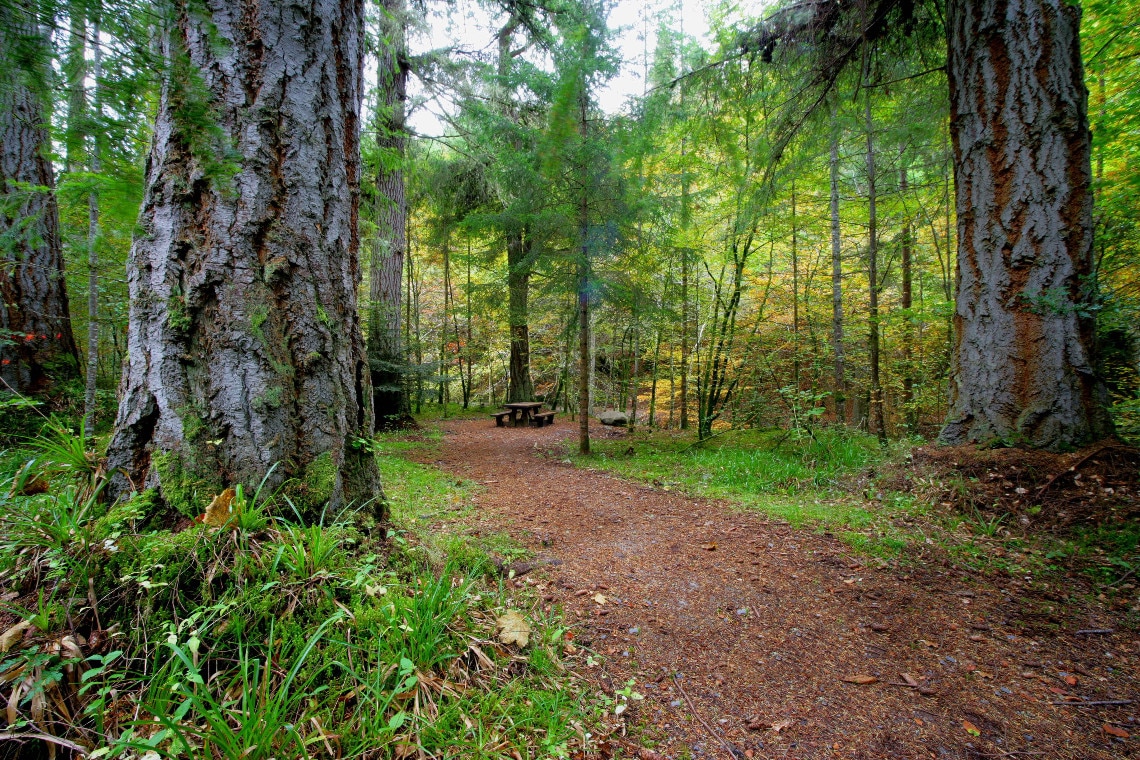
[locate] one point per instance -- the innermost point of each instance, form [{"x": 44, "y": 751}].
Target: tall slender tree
[
  {"x": 246, "y": 356},
  {"x": 839, "y": 373}
]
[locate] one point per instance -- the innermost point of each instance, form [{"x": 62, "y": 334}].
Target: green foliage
[{"x": 262, "y": 637}]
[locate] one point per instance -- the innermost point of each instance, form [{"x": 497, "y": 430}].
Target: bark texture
[
  {"x": 1023, "y": 360},
  {"x": 37, "y": 347},
  {"x": 519, "y": 264},
  {"x": 245, "y": 348},
  {"x": 386, "y": 357},
  {"x": 842, "y": 403}
]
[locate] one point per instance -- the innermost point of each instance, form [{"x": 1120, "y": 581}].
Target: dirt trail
[{"x": 759, "y": 623}]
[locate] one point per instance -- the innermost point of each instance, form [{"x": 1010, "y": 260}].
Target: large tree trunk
[
  {"x": 520, "y": 388},
  {"x": 1024, "y": 368},
  {"x": 245, "y": 347},
  {"x": 386, "y": 358},
  {"x": 37, "y": 347}
]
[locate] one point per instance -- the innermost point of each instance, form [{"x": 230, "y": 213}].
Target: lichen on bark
[{"x": 245, "y": 351}]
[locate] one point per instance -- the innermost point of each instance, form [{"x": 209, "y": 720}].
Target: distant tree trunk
[
  {"x": 795, "y": 296},
  {"x": 245, "y": 346},
  {"x": 653, "y": 380},
  {"x": 585, "y": 344},
  {"x": 37, "y": 348},
  {"x": 1024, "y": 362},
  {"x": 842, "y": 403},
  {"x": 518, "y": 287},
  {"x": 469, "y": 389},
  {"x": 386, "y": 358},
  {"x": 684, "y": 406},
  {"x": 910, "y": 413},
  {"x": 584, "y": 340},
  {"x": 93, "y": 248},
  {"x": 876, "y": 421},
  {"x": 635, "y": 343}
]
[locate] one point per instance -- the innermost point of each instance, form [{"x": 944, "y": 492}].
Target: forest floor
[{"x": 749, "y": 637}]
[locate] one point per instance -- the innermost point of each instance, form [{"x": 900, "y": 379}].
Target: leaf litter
[{"x": 806, "y": 631}]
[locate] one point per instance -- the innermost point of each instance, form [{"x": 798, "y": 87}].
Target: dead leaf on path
[
  {"x": 909, "y": 679},
  {"x": 13, "y": 635},
  {"x": 513, "y": 629},
  {"x": 1115, "y": 731},
  {"x": 600, "y": 598},
  {"x": 1071, "y": 680},
  {"x": 709, "y": 547},
  {"x": 781, "y": 725},
  {"x": 862, "y": 680},
  {"x": 971, "y": 729}
]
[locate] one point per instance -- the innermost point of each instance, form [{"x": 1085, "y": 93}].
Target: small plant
[{"x": 982, "y": 525}]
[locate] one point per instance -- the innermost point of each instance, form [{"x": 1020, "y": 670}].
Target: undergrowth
[{"x": 264, "y": 638}]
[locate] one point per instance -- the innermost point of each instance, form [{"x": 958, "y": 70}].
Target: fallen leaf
[
  {"x": 910, "y": 680},
  {"x": 1071, "y": 680},
  {"x": 971, "y": 729},
  {"x": 513, "y": 629},
  {"x": 220, "y": 510},
  {"x": 983, "y": 674},
  {"x": 709, "y": 547},
  {"x": 1115, "y": 731},
  {"x": 862, "y": 680},
  {"x": 600, "y": 598},
  {"x": 780, "y": 726},
  {"x": 405, "y": 750},
  {"x": 13, "y": 635}
]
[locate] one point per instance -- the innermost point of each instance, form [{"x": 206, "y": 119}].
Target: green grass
[
  {"x": 806, "y": 481},
  {"x": 270, "y": 638}
]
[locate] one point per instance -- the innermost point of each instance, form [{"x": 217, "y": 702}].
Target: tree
[
  {"x": 246, "y": 357},
  {"x": 37, "y": 347},
  {"x": 1025, "y": 367},
  {"x": 386, "y": 358},
  {"x": 1024, "y": 359}
]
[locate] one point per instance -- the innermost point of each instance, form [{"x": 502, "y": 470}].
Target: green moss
[
  {"x": 270, "y": 399},
  {"x": 323, "y": 316},
  {"x": 177, "y": 316},
  {"x": 257, "y": 317},
  {"x": 320, "y": 479},
  {"x": 182, "y": 490}
]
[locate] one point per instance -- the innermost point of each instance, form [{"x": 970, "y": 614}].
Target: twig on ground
[
  {"x": 1094, "y": 703},
  {"x": 733, "y": 752},
  {"x": 1073, "y": 467},
  {"x": 1092, "y": 631}
]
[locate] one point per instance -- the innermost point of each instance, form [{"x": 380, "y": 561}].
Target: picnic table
[{"x": 523, "y": 413}]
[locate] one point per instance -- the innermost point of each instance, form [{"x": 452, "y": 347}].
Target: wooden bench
[
  {"x": 501, "y": 417},
  {"x": 538, "y": 419}
]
